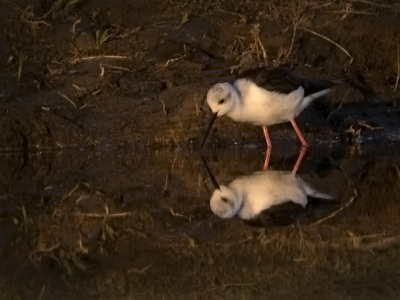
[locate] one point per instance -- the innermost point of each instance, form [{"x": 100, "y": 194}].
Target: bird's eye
[
  {"x": 221, "y": 101},
  {"x": 224, "y": 199}
]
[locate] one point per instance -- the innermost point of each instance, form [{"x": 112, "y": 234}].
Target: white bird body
[
  {"x": 248, "y": 196},
  {"x": 265, "y": 96},
  {"x": 258, "y": 106}
]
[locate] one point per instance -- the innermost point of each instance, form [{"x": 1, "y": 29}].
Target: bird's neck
[
  {"x": 235, "y": 103},
  {"x": 235, "y": 94},
  {"x": 240, "y": 200}
]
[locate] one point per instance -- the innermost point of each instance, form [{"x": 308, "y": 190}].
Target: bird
[
  {"x": 265, "y": 96},
  {"x": 268, "y": 198}
]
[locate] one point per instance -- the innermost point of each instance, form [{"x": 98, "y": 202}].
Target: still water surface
[{"x": 126, "y": 223}]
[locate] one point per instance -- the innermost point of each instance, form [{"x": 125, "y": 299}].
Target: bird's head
[
  {"x": 219, "y": 98},
  {"x": 224, "y": 202}
]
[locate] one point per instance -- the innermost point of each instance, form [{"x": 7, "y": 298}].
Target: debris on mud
[{"x": 81, "y": 73}]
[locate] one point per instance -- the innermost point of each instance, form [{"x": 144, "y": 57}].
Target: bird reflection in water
[{"x": 269, "y": 198}]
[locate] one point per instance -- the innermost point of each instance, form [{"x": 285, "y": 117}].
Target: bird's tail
[
  {"x": 314, "y": 193},
  {"x": 307, "y": 100},
  {"x": 339, "y": 81}
]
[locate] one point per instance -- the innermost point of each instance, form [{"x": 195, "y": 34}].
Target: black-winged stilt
[
  {"x": 267, "y": 198},
  {"x": 265, "y": 96}
]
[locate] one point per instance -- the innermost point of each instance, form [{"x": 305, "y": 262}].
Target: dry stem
[
  {"x": 164, "y": 109},
  {"x": 65, "y": 97},
  {"x": 99, "y": 57},
  {"x": 329, "y": 40},
  {"x": 106, "y": 215},
  {"x": 70, "y": 193},
  {"x": 139, "y": 271},
  {"x": 337, "y": 211},
  {"x": 291, "y": 44},
  {"x": 115, "y": 67},
  {"x": 398, "y": 67}
]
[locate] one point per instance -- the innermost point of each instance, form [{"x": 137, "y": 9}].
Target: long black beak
[
  {"x": 213, "y": 180},
  {"x": 202, "y": 101},
  {"x": 215, "y": 115}
]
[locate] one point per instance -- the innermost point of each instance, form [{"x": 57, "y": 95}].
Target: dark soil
[{"x": 166, "y": 56}]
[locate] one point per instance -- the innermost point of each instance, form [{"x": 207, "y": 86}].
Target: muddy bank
[{"x": 135, "y": 72}]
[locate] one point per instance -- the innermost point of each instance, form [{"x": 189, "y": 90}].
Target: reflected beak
[
  {"x": 215, "y": 115},
  {"x": 213, "y": 180}
]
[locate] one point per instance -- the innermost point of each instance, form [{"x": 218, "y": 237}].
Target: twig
[
  {"x": 374, "y": 4},
  {"x": 40, "y": 297},
  {"x": 169, "y": 61},
  {"x": 239, "y": 242},
  {"x": 232, "y": 13},
  {"x": 291, "y": 44},
  {"x": 139, "y": 271},
  {"x": 382, "y": 244},
  {"x": 117, "y": 68},
  {"x": 26, "y": 221},
  {"x": 179, "y": 215},
  {"x": 320, "y": 6},
  {"x": 22, "y": 58},
  {"x": 233, "y": 284},
  {"x": 398, "y": 171},
  {"x": 337, "y": 211},
  {"x": 70, "y": 193},
  {"x": 65, "y": 97},
  {"x": 334, "y": 111},
  {"x": 106, "y": 215},
  {"x": 102, "y": 70},
  {"x": 329, "y": 40},
  {"x": 32, "y": 255},
  {"x": 28, "y": 13},
  {"x": 82, "y": 197},
  {"x": 74, "y": 26},
  {"x": 351, "y": 11},
  {"x": 398, "y": 67},
  {"x": 99, "y": 57},
  {"x": 164, "y": 109},
  {"x": 263, "y": 50},
  {"x": 79, "y": 89},
  {"x": 166, "y": 183},
  {"x": 257, "y": 43},
  {"x": 362, "y": 123},
  {"x": 301, "y": 232}
]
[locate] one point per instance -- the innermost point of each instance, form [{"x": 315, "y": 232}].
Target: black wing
[
  {"x": 285, "y": 214},
  {"x": 282, "y": 80},
  {"x": 280, "y": 215}
]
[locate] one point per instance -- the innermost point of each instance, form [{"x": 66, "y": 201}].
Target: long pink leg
[
  {"x": 269, "y": 144},
  {"x": 267, "y": 156},
  {"x": 302, "y": 140},
  {"x": 302, "y": 153}
]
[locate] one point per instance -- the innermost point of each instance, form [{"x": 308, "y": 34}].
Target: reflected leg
[
  {"x": 269, "y": 144},
  {"x": 301, "y": 156},
  {"x": 267, "y": 157}
]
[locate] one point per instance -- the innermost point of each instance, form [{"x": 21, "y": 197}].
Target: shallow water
[{"x": 124, "y": 223}]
